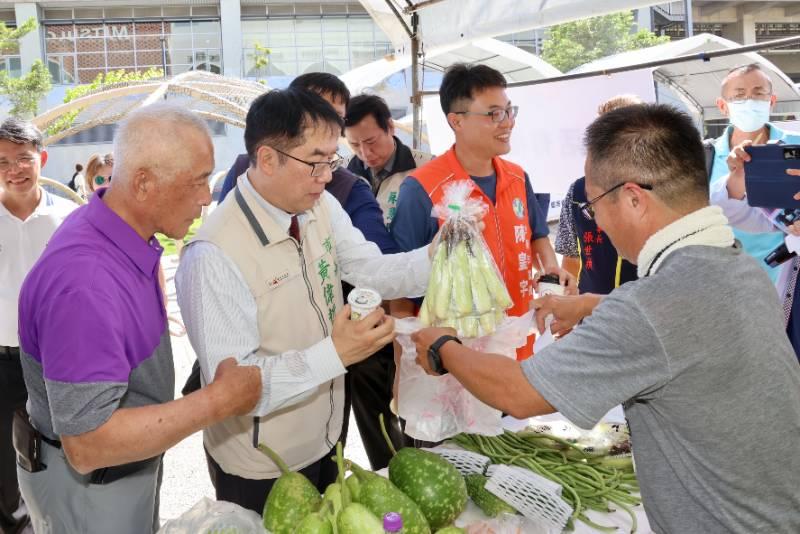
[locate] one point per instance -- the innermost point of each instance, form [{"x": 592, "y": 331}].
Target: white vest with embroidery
[
  {"x": 389, "y": 189},
  {"x": 297, "y": 290}
]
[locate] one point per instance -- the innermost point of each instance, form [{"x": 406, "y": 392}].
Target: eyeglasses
[
  {"x": 497, "y": 115},
  {"x": 586, "y": 207},
  {"x": 24, "y": 162},
  {"x": 317, "y": 167},
  {"x": 741, "y": 98},
  {"x": 101, "y": 180}
]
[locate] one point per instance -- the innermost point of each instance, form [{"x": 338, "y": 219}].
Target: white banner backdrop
[{"x": 548, "y": 137}]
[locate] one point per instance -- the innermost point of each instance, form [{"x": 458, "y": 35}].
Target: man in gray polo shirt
[
  {"x": 94, "y": 342},
  {"x": 695, "y": 350}
]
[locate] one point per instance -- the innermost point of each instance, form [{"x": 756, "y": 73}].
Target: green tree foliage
[
  {"x": 24, "y": 93},
  {"x": 103, "y": 80},
  {"x": 572, "y": 44}
]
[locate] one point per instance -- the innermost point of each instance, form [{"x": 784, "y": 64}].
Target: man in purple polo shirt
[{"x": 94, "y": 341}]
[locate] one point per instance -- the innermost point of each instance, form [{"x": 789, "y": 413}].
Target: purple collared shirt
[{"x": 92, "y": 325}]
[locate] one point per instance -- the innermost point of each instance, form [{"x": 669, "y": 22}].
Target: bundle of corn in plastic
[{"x": 465, "y": 290}]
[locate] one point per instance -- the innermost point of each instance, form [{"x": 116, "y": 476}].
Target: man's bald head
[{"x": 156, "y": 138}]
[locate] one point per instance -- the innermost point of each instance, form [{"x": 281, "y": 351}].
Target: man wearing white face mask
[{"x": 747, "y": 99}]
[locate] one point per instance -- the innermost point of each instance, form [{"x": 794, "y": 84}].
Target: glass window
[
  {"x": 281, "y": 39},
  {"x": 88, "y": 75},
  {"x": 335, "y": 38},
  {"x": 150, "y": 58},
  {"x": 207, "y": 40},
  {"x": 280, "y": 26},
  {"x": 90, "y": 45},
  {"x": 148, "y": 42},
  {"x": 178, "y": 28},
  {"x": 149, "y": 28},
  {"x": 334, "y": 25},
  {"x": 283, "y": 60},
  {"x": 308, "y": 25},
  {"x": 120, "y": 59},
  {"x": 206, "y": 26},
  {"x": 336, "y": 52},
  {"x": 336, "y": 67},
  {"x": 179, "y": 41},
  {"x": 308, "y": 39}
]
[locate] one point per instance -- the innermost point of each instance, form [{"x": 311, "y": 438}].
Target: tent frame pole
[{"x": 416, "y": 88}]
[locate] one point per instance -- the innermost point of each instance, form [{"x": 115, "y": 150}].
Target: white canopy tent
[
  {"x": 467, "y": 20},
  {"x": 697, "y": 83},
  {"x": 516, "y": 64},
  {"x": 420, "y": 28}
]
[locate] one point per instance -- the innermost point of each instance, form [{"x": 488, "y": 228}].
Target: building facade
[
  {"x": 745, "y": 22},
  {"x": 79, "y": 40}
]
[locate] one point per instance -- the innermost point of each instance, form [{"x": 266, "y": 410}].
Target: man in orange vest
[{"x": 515, "y": 228}]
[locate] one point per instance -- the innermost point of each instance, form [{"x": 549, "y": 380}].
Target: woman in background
[{"x": 98, "y": 172}]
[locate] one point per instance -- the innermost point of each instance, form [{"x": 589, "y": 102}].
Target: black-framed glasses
[
  {"x": 101, "y": 180},
  {"x": 317, "y": 167},
  {"x": 587, "y": 210},
  {"x": 497, "y": 115}
]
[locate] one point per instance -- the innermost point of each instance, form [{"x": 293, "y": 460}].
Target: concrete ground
[{"x": 186, "y": 478}]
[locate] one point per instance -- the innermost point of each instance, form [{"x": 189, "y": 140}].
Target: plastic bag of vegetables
[
  {"x": 466, "y": 290},
  {"x": 438, "y": 407}
]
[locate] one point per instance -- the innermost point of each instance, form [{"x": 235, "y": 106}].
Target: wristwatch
[{"x": 434, "y": 358}]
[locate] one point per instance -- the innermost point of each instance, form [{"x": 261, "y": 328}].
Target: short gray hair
[
  {"x": 149, "y": 138},
  {"x": 746, "y": 69},
  {"x": 21, "y": 132}
]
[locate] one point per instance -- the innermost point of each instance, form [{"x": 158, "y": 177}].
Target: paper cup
[
  {"x": 362, "y": 302},
  {"x": 549, "y": 285}
]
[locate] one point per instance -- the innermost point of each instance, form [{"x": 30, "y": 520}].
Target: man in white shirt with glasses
[{"x": 28, "y": 217}]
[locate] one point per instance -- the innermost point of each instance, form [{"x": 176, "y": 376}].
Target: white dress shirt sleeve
[
  {"x": 740, "y": 214},
  {"x": 220, "y": 315},
  {"x": 362, "y": 264}
]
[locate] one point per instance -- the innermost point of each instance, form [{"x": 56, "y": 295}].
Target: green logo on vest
[{"x": 519, "y": 208}]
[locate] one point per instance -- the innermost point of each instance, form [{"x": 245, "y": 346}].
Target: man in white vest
[{"x": 261, "y": 282}]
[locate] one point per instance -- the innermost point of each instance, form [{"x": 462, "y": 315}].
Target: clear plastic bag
[
  {"x": 438, "y": 407},
  {"x": 466, "y": 290},
  {"x": 215, "y": 517}
]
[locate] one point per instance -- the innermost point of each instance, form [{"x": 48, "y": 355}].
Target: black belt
[
  {"x": 9, "y": 353},
  {"x": 52, "y": 442}
]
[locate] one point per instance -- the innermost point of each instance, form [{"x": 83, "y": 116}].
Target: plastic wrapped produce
[{"x": 466, "y": 291}]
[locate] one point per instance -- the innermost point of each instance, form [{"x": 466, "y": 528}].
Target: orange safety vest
[{"x": 507, "y": 231}]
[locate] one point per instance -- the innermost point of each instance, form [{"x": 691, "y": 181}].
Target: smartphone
[{"x": 765, "y": 178}]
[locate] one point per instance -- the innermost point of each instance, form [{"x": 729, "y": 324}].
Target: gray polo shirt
[{"x": 698, "y": 355}]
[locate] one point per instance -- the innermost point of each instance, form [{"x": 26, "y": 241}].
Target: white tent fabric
[
  {"x": 459, "y": 22},
  {"x": 698, "y": 82},
  {"x": 516, "y": 64}
]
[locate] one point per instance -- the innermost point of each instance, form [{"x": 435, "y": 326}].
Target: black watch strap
[{"x": 435, "y": 358}]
